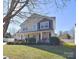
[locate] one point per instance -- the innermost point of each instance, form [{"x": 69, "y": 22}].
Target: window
[
  {"x": 25, "y": 29},
  {"x": 34, "y": 27},
  {"x": 44, "y": 25}
]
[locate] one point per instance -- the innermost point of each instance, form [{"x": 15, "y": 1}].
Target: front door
[{"x": 45, "y": 37}]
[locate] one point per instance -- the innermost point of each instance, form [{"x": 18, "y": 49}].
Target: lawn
[{"x": 37, "y": 52}]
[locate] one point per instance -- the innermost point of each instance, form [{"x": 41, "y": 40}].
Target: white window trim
[{"x": 44, "y": 24}]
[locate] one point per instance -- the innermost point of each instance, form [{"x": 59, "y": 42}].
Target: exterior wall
[
  {"x": 54, "y": 23},
  {"x": 52, "y": 33}
]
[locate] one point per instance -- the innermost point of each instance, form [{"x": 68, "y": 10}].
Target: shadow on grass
[{"x": 68, "y": 53}]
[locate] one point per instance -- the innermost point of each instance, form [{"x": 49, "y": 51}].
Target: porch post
[
  {"x": 49, "y": 34},
  {"x": 41, "y": 35},
  {"x": 28, "y": 35}
]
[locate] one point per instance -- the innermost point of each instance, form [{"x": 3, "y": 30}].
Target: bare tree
[
  {"x": 12, "y": 12},
  {"x": 15, "y": 8}
]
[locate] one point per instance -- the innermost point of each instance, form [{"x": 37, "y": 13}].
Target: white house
[{"x": 37, "y": 26}]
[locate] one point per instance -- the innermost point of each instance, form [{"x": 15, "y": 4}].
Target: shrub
[
  {"x": 31, "y": 40},
  {"x": 20, "y": 42},
  {"x": 10, "y": 43},
  {"x": 42, "y": 43},
  {"x": 54, "y": 40}
]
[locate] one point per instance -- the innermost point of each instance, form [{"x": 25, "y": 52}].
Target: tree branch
[{"x": 20, "y": 9}]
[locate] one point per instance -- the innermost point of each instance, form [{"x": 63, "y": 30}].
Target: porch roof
[{"x": 34, "y": 32}]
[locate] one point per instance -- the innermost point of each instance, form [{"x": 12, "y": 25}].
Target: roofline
[{"x": 36, "y": 14}]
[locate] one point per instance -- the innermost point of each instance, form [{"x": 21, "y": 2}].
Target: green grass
[
  {"x": 36, "y": 51},
  {"x": 69, "y": 44}
]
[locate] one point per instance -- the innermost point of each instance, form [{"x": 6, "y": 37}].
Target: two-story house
[{"x": 37, "y": 26}]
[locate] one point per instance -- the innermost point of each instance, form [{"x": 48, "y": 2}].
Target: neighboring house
[{"x": 37, "y": 26}]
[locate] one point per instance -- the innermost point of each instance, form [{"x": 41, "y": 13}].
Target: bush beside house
[
  {"x": 54, "y": 41},
  {"x": 31, "y": 41}
]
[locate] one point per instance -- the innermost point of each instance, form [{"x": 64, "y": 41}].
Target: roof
[{"x": 33, "y": 17}]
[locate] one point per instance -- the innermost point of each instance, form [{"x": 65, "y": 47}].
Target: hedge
[{"x": 54, "y": 40}]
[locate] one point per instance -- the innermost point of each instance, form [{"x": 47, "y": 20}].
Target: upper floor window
[
  {"x": 25, "y": 29},
  {"x": 44, "y": 25},
  {"x": 34, "y": 27}
]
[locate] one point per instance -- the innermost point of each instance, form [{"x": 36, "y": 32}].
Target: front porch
[{"x": 42, "y": 36}]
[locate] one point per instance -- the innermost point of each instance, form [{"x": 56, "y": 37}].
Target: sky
[{"x": 65, "y": 18}]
